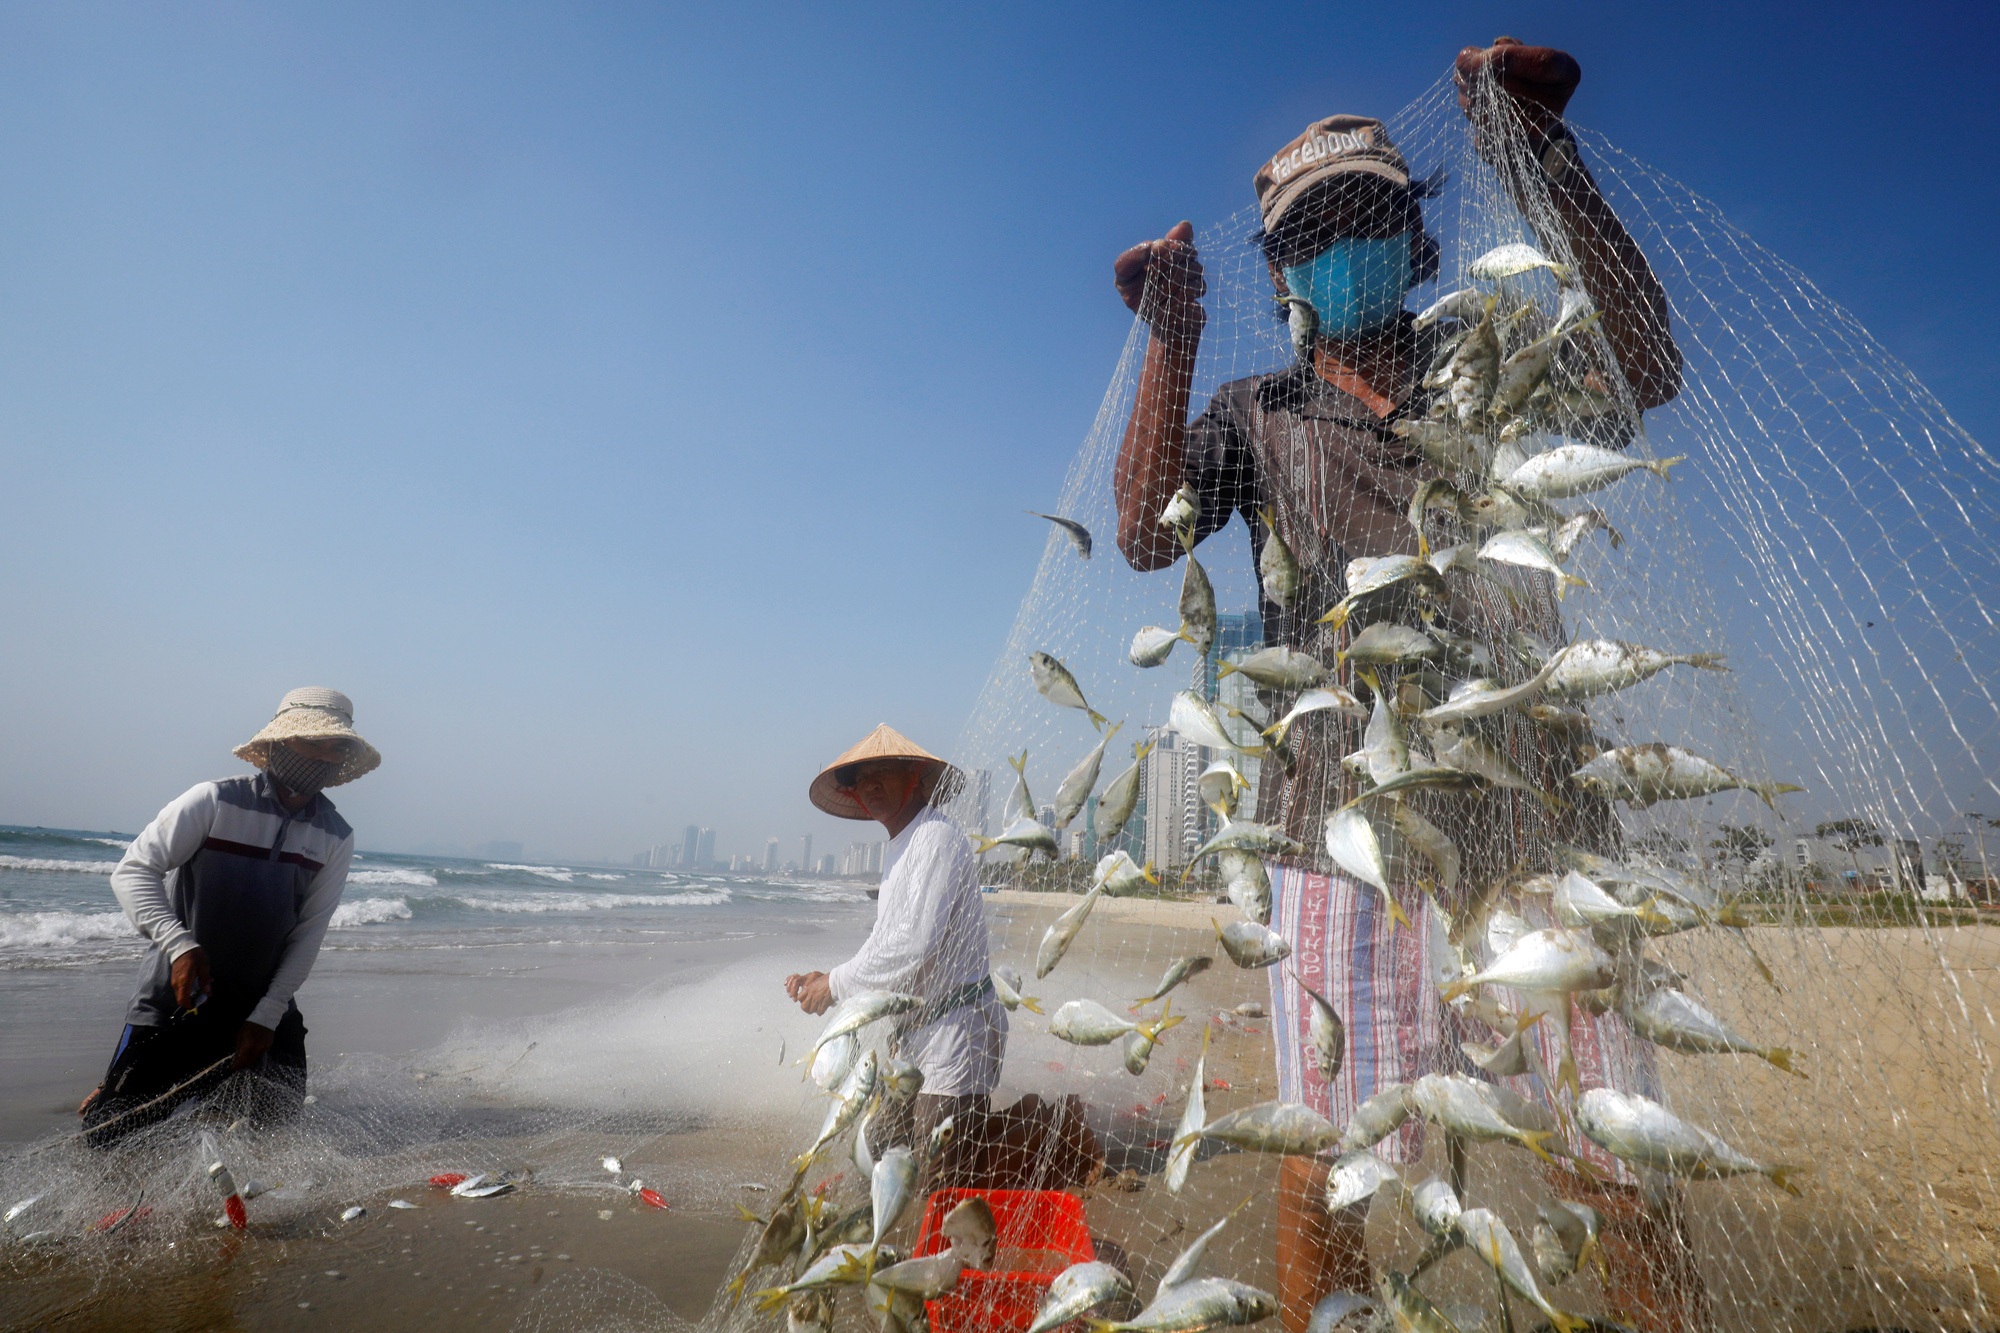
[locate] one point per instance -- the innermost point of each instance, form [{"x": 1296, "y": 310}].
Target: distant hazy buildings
[
  {"x": 806, "y": 854},
  {"x": 771, "y": 856}
]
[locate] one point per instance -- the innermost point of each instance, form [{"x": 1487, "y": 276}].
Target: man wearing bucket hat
[
  {"x": 929, "y": 938},
  {"x": 1316, "y": 448},
  {"x": 233, "y": 884}
]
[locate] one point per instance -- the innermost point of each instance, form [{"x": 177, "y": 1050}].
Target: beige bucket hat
[
  {"x": 885, "y": 742},
  {"x": 314, "y": 713}
]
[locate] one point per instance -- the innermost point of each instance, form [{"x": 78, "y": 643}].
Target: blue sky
[{"x": 632, "y": 405}]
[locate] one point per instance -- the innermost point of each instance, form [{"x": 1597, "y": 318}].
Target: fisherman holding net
[
  {"x": 1317, "y": 448},
  {"x": 234, "y": 885}
]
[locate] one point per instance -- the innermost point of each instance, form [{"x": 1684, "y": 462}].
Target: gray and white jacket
[{"x": 228, "y": 868}]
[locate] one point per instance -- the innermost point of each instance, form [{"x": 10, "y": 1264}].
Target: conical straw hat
[
  {"x": 885, "y": 742},
  {"x": 318, "y": 714}
]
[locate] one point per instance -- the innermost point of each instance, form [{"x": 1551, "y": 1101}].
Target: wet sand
[{"x": 1899, "y": 1224}]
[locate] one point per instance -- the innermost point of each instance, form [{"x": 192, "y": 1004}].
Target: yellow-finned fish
[
  {"x": 1277, "y": 569},
  {"x": 1055, "y": 683}
]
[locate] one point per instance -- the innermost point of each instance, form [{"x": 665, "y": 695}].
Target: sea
[{"x": 57, "y": 909}]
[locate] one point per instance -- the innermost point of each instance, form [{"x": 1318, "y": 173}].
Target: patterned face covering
[
  {"x": 298, "y": 774},
  {"x": 1355, "y": 284}
]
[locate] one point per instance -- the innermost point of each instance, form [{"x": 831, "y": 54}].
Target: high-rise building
[
  {"x": 806, "y": 865},
  {"x": 704, "y": 855},
  {"x": 1173, "y": 805},
  {"x": 1075, "y": 847},
  {"x": 771, "y": 856},
  {"x": 827, "y": 864},
  {"x": 691, "y": 847}
]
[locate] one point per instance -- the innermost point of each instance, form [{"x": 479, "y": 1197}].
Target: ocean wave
[
  {"x": 43, "y": 930},
  {"x": 594, "y": 875},
  {"x": 555, "y": 873},
  {"x": 120, "y": 843},
  {"x": 370, "y": 912},
  {"x": 414, "y": 879},
  {"x": 54, "y": 863},
  {"x": 586, "y": 902}
]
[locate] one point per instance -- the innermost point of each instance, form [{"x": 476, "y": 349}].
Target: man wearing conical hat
[
  {"x": 233, "y": 885},
  {"x": 929, "y": 938}
]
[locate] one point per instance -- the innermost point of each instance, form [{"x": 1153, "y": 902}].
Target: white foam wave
[
  {"x": 54, "y": 863},
  {"x": 120, "y": 843},
  {"x": 556, "y": 873},
  {"x": 42, "y": 930},
  {"x": 587, "y": 902},
  {"x": 415, "y": 879},
  {"x": 369, "y": 912},
  {"x": 594, "y": 875}
]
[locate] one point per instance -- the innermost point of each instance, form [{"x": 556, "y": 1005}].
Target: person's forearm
[
  {"x": 1152, "y": 459},
  {"x": 1615, "y": 272},
  {"x": 140, "y": 880},
  {"x": 302, "y": 946}
]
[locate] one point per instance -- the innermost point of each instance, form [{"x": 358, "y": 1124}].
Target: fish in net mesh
[{"x": 1455, "y": 753}]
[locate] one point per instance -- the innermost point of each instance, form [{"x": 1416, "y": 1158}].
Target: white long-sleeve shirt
[
  {"x": 235, "y": 818},
  {"x": 929, "y": 940}
]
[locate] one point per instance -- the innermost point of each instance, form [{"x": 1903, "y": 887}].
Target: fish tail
[
  {"x": 1019, "y": 765},
  {"x": 1336, "y": 617},
  {"x": 1031, "y": 1004},
  {"x": 1732, "y": 915},
  {"x": 1561, "y": 273},
  {"x": 1782, "y": 1057},
  {"x": 1569, "y": 581},
  {"x": 1270, "y": 517},
  {"x": 1276, "y": 731},
  {"x": 1659, "y": 469},
  {"x": 1143, "y": 750},
  {"x": 1706, "y": 661},
  {"x": 1781, "y": 1176},
  {"x": 982, "y": 845},
  {"x": 747, "y": 1215},
  {"x": 1369, "y": 678},
  {"x": 1097, "y": 719},
  {"x": 1454, "y": 989},
  {"x": 1396, "y": 913},
  {"x": 1533, "y": 1139},
  {"x": 1767, "y": 790},
  {"x": 770, "y": 1298},
  {"x": 1225, "y": 669},
  {"x": 1151, "y": 1031}
]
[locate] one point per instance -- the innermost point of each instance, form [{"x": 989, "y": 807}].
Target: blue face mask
[{"x": 1355, "y": 284}]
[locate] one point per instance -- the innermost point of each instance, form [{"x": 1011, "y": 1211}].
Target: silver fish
[
  {"x": 1381, "y": 1115},
  {"x": 1467, "y": 752},
  {"x": 1564, "y": 1239},
  {"x": 890, "y": 1189},
  {"x": 1528, "y": 367},
  {"x": 1557, "y": 961},
  {"x": 471, "y": 1182},
  {"x": 781, "y": 1236},
  {"x": 1430, "y": 840},
  {"x": 1055, "y": 683},
  {"x": 1670, "y": 1018},
  {"x": 1187, "y": 1133},
  {"x": 898, "y": 1079},
  {"x": 1244, "y": 835},
  {"x": 1352, "y": 843},
  {"x": 1250, "y": 944},
  {"x": 1527, "y": 551},
  {"x": 1196, "y": 1306},
  {"x": 1188, "y": 1262},
  {"x": 1355, "y": 1178},
  {"x": 1278, "y": 668},
  {"x": 1570, "y": 721},
  {"x": 1135, "y": 1049},
  {"x": 858, "y": 1011},
  {"x": 832, "y": 1064},
  {"x": 1488, "y": 1237},
  {"x": 1219, "y": 786},
  {"x": 1481, "y": 698},
  {"x": 1470, "y": 373},
  {"x": 1062, "y": 932},
  {"x": 1286, "y": 1128},
  {"x": 1326, "y": 1032},
  {"x": 1467, "y": 303},
  {"x": 23, "y": 1206},
  {"x": 847, "y": 1106},
  {"x": 1444, "y": 444},
  {"x": 498, "y": 1187},
  {"x": 1513, "y": 259},
  {"x": 1386, "y": 644},
  {"x": 1385, "y": 747},
  {"x": 1118, "y": 874},
  {"x": 1369, "y": 575},
  {"x": 1088, "y": 1023},
  {"x": 1197, "y": 606},
  {"x": 1031, "y": 835},
  {"x": 401, "y": 1204},
  {"x": 1435, "y": 1209},
  {"x": 1192, "y": 966},
  {"x": 1121, "y": 797},
  {"x": 1577, "y": 469},
  {"x": 842, "y": 1265},
  {"x": 1079, "y": 1290},
  {"x": 1078, "y": 534},
  {"x": 970, "y": 1229},
  {"x": 1642, "y": 774},
  {"x": 1074, "y": 793},
  {"x": 1566, "y": 536},
  {"x": 1246, "y": 884},
  {"x": 1183, "y": 511},
  {"x": 1024, "y": 800},
  {"x": 1007, "y": 986},
  {"x": 354, "y": 1214},
  {"x": 809, "y": 1312},
  {"x": 927, "y": 1278},
  {"x": 1195, "y": 718},
  {"x": 1466, "y": 1107},
  {"x": 1277, "y": 569},
  {"x": 613, "y": 1165},
  {"x": 1643, "y": 1132},
  {"x": 1152, "y": 645},
  {"x": 1579, "y": 902},
  {"x": 1591, "y": 667},
  {"x": 1324, "y": 699},
  {"x": 1410, "y": 1311},
  {"x": 1302, "y": 322}
]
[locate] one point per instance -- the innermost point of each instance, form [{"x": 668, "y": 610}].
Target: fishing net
[{"x": 1829, "y": 535}]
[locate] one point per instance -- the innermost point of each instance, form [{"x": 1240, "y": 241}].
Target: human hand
[
  {"x": 190, "y": 978},
  {"x": 253, "y": 1040},
  {"x": 1171, "y": 301},
  {"x": 1538, "y": 81},
  {"x": 812, "y": 991}
]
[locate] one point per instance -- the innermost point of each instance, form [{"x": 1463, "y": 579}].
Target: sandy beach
[{"x": 668, "y": 1055}]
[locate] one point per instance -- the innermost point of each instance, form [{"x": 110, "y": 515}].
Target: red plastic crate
[{"x": 1041, "y": 1232}]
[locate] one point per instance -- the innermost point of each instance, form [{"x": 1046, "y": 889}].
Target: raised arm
[
  {"x": 1534, "y": 84},
  {"x": 1161, "y": 281}
]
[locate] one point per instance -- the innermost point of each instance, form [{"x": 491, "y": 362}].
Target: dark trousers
[{"x": 152, "y": 1061}]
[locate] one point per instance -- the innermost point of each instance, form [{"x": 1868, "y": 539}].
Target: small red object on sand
[
  {"x": 444, "y": 1180},
  {"x": 232, "y": 1207},
  {"x": 1219, "y": 1085},
  {"x": 652, "y": 1198},
  {"x": 117, "y": 1215},
  {"x": 1056, "y": 1066}
]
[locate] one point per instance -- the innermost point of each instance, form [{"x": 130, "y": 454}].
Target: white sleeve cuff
[
  {"x": 176, "y": 945},
  {"x": 268, "y": 1013}
]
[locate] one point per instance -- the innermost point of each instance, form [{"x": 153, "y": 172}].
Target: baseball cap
[{"x": 1335, "y": 146}]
